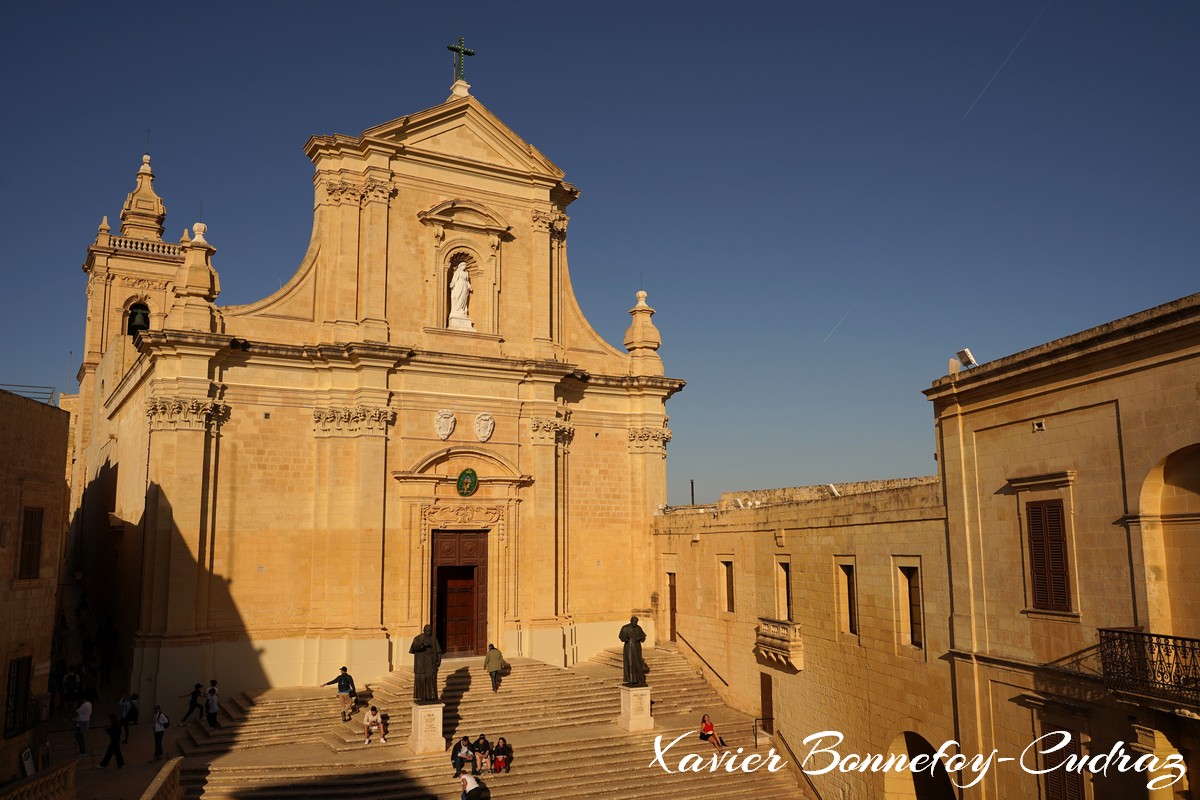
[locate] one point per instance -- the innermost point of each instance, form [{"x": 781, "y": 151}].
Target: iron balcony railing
[{"x": 1151, "y": 664}]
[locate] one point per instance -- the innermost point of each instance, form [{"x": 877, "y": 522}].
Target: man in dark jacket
[{"x": 346, "y": 692}]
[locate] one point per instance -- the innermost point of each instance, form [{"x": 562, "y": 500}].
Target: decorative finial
[
  {"x": 642, "y": 339},
  {"x": 198, "y": 229},
  {"x": 144, "y": 169},
  {"x": 461, "y": 50}
]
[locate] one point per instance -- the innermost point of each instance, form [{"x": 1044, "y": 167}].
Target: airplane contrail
[
  {"x": 840, "y": 321},
  {"x": 1007, "y": 57}
]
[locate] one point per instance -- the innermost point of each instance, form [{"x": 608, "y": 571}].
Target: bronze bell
[{"x": 139, "y": 319}]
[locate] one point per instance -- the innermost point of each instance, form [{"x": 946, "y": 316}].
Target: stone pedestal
[
  {"x": 635, "y": 709},
  {"x": 427, "y": 728}
]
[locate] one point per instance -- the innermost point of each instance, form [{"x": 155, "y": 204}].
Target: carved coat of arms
[{"x": 443, "y": 423}]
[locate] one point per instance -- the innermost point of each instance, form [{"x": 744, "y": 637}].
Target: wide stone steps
[
  {"x": 561, "y": 723},
  {"x": 676, "y": 688},
  {"x": 263, "y": 719},
  {"x": 614, "y": 765}
]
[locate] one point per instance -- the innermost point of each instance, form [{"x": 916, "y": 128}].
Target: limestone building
[
  {"x": 33, "y": 498},
  {"x": 816, "y": 609},
  {"x": 1072, "y": 475},
  {"x": 419, "y": 427},
  {"x": 1042, "y": 582}
]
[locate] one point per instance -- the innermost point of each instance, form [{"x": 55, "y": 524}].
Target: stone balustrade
[
  {"x": 57, "y": 783},
  {"x": 779, "y": 643},
  {"x": 148, "y": 246}
]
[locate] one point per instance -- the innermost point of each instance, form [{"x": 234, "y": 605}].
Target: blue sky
[{"x": 824, "y": 200}]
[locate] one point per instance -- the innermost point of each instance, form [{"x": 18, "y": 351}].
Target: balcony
[
  {"x": 1152, "y": 665},
  {"x": 778, "y": 643}
]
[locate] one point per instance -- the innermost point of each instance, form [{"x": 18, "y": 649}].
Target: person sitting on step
[
  {"x": 483, "y": 754},
  {"x": 708, "y": 732},
  {"x": 373, "y": 720},
  {"x": 461, "y": 755},
  {"x": 502, "y": 755}
]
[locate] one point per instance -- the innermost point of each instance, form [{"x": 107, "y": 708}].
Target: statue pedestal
[
  {"x": 426, "y": 734},
  {"x": 635, "y": 709}
]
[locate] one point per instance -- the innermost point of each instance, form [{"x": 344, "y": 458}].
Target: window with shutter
[
  {"x": 1061, "y": 783},
  {"x": 1048, "y": 571},
  {"x": 30, "y": 563}
]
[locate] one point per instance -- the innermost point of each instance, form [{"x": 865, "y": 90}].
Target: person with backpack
[{"x": 346, "y": 692}]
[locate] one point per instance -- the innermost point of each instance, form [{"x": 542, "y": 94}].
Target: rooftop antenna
[
  {"x": 201, "y": 217},
  {"x": 147, "y": 141}
]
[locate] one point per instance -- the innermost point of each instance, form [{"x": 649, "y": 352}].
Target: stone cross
[{"x": 461, "y": 50}]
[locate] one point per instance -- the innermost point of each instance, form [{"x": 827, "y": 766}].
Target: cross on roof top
[{"x": 460, "y": 50}]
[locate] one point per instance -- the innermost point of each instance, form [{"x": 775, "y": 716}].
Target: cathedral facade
[{"x": 420, "y": 427}]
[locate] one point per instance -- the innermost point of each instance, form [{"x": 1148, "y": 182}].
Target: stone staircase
[{"x": 285, "y": 744}]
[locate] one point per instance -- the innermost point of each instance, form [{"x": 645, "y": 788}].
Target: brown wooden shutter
[
  {"x": 1061, "y": 784},
  {"x": 1048, "y": 570}
]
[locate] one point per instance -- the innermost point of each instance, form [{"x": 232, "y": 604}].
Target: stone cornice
[
  {"x": 1169, "y": 319},
  {"x": 667, "y": 385},
  {"x": 351, "y": 351}
]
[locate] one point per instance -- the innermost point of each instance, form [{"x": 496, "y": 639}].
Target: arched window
[{"x": 138, "y": 320}]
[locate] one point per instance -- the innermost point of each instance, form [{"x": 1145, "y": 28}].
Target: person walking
[
  {"x": 211, "y": 707},
  {"x": 161, "y": 723},
  {"x": 114, "y": 743},
  {"x": 346, "y": 692},
  {"x": 83, "y": 719},
  {"x": 493, "y": 662},
  {"x": 70, "y": 690},
  {"x": 194, "y": 703}
]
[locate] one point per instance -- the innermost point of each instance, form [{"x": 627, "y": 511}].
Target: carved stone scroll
[
  {"x": 649, "y": 440},
  {"x": 352, "y": 420},
  {"x": 185, "y": 413},
  {"x": 551, "y": 431}
]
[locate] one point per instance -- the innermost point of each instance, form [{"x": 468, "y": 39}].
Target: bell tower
[{"x": 129, "y": 289}]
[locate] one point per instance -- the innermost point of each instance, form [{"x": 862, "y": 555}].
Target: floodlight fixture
[{"x": 966, "y": 358}]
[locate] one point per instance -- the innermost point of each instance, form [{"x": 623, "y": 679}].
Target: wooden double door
[{"x": 458, "y": 607}]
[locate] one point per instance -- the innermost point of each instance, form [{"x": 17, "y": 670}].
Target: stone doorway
[{"x": 458, "y": 607}]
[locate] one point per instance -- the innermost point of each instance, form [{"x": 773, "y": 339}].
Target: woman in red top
[{"x": 709, "y": 734}]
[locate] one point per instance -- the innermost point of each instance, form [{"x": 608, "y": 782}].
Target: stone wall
[
  {"x": 33, "y": 441},
  {"x": 872, "y": 685}
]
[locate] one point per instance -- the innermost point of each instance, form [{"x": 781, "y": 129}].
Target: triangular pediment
[{"x": 463, "y": 129}]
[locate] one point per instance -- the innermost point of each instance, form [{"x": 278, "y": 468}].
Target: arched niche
[
  {"x": 904, "y": 784},
  {"x": 466, "y": 231},
  {"x": 1170, "y": 525}
]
